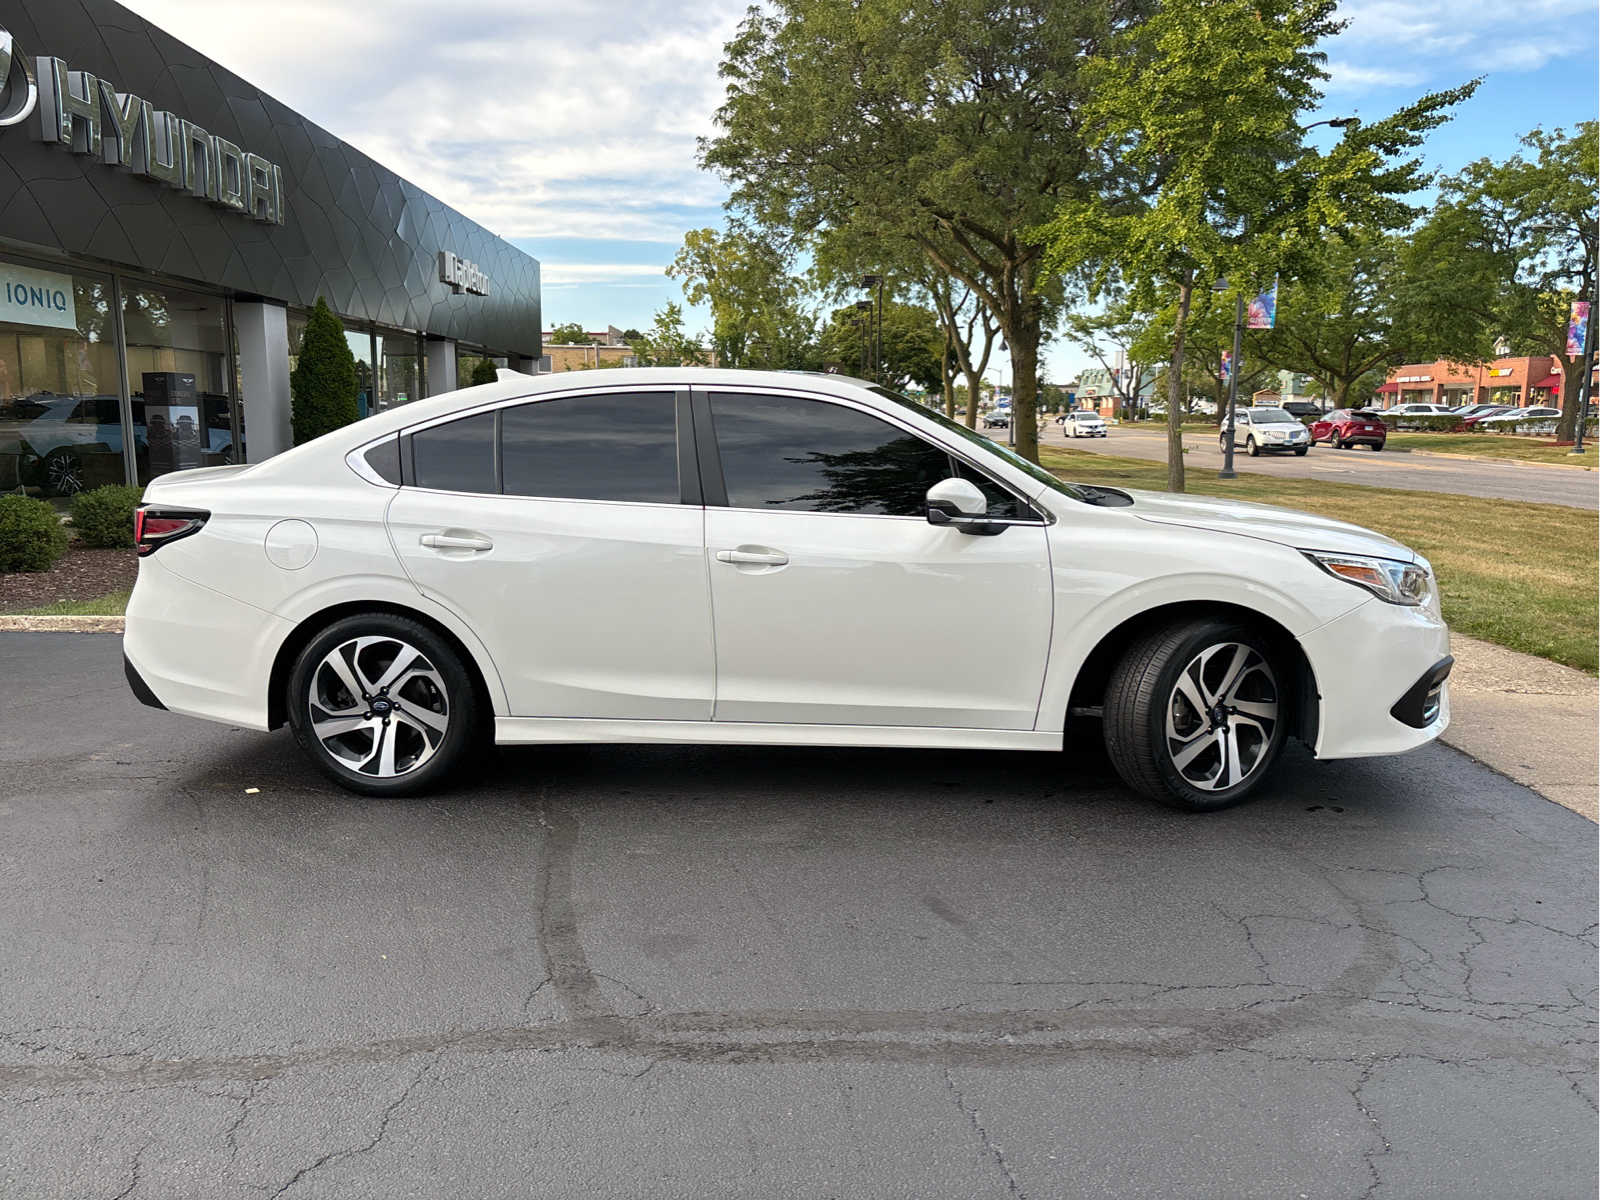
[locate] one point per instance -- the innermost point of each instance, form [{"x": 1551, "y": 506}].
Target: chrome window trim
[{"x": 356, "y": 460}]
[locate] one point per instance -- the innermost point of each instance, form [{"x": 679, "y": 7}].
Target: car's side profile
[
  {"x": 1346, "y": 427},
  {"x": 766, "y": 558}
]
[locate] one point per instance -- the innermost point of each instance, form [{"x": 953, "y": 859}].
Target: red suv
[{"x": 1345, "y": 427}]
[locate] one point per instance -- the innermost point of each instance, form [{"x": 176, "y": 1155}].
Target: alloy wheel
[
  {"x": 1221, "y": 716},
  {"x": 378, "y": 706}
]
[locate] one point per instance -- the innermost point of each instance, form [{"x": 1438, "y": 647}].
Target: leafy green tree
[
  {"x": 953, "y": 123},
  {"x": 483, "y": 371},
  {"x": 758, "y": 318},
  {"x": 1528, "y": 227},
  {"x": 667, "y": 345},
  {"x": 1369, "y": 301},
  {"x": 1202, "y": 104},
  {"x": 570, "y": 334},
  {"x": 912, "y": 341},
  {"x": 322, "y": 386}
]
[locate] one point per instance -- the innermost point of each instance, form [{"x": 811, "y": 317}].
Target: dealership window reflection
[
  {"x": 60, "y": 429},
  {"x": 178, "y": 380},
  {"x": 399, "y": 369}
]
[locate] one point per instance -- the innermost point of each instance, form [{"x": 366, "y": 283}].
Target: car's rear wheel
[
  {"x": 1195, "y": 714},
  {"x": 1376, "y": 445},
  {"x": 382, "y": 704}
]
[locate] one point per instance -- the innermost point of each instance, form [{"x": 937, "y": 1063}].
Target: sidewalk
[{"x": 1532, "y": 720}]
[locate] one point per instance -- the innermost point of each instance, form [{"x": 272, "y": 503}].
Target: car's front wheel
[
  {"x": 1195, "y": 714},
  {"x": 382, "y": 704},
  {"x": 1250, "y": 448}
]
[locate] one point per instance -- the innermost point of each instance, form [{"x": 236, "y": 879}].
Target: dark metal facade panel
[{"x": 353, "y": 230}]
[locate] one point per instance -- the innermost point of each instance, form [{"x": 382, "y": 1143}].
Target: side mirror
[{"x": 958, "y": 502}]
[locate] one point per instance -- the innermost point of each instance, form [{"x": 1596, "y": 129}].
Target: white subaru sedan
[{"x": 713, "y": 556}]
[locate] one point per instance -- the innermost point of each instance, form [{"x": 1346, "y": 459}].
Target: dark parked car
[
  {"x": 1303, "y": 409},
  {"x": 1346, "y": 427}
]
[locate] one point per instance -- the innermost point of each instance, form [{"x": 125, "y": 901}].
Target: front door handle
[
  {"x": 451, "y": 541},
  {"x": 749, "y": 556}
]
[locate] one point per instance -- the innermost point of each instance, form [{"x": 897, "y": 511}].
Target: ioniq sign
[{"x": 87, "y": 115}]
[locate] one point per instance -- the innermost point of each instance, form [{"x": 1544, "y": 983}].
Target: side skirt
[{"x": 511, "y": 731}]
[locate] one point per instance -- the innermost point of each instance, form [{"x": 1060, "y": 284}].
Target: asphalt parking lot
[
  {"x": 1409, "y": 471},
  {"x": 729, "y": 972}
]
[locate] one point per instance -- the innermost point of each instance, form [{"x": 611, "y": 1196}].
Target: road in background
[
  {"x": 658, "y": 971},
  {"x": 1415, "y": 471}
]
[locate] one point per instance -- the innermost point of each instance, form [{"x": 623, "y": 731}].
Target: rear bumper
[
  {"x": 1374, "y": 668},
  {"x": 141, "y": 689}
]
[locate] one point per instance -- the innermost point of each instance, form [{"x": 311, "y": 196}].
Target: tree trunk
[
  {"x": 947, "y": 373},
  {"x": 1571, "y": 388},
  {"x": 1175, "y": 388},
  {"x": 1341, "y": 392},
  {"x": 973, "y": 380},
  {"x": 1025, "y": 388}
]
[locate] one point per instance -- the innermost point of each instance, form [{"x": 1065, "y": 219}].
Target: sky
[{"x": 569, "y": 127}]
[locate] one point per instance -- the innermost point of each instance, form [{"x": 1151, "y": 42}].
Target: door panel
[
  {"x": 589, "y": 609},
  {"x": 877, "y": 621}
]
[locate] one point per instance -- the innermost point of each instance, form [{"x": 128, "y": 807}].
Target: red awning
[
  {"x": 1549, "y": 381},
  {"x": 1388, "y": 388}
]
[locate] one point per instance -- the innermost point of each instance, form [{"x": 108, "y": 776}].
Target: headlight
[{"x": 1396, "y": 582}]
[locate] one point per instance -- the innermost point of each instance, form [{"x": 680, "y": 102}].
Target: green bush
[
  {"x": 31, "y": 537},
  {"x": 103, "y": 516},
  {"x": 1427, "y": 422},
  {"x": 483, "y": 371},
  {"x": 322, "y": 385}
]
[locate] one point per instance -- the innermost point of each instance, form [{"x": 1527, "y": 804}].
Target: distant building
[
  {"x": 1097, "y": 389},
  {"x": 1532, "y": 379},
  {"x": 605, "y": 348}
]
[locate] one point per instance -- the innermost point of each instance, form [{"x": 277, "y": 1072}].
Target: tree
[
  {"x": 1202, "y": 104},
  {"x": 953, "y": 123},
  {"x": 912, "y": 341},
  {"x": 758, "y": 318},
  {"x": 483, "y": 371},
  {"x": 1530, "y": 225},
  {"x": 666, "y": 345},
  {"x": 1103, "y": 334},
  {"x": 322, "y": 386},
  {"x": 570, "y": 334},
  {"x": 1367, "y": 302}
]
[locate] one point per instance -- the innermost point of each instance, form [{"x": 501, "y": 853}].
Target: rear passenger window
[
  {"x": 612, "y": 446},
  {"x": 458, "y": 457}
]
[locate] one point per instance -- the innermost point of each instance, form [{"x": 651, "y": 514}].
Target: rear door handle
[
  {"x": 760, "y": 558},
  {"x": 451, "y": 541}
]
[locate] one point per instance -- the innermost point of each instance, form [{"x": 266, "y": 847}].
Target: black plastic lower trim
[
  {"x": 1419, "y": 707},
  {"x": 141, "y": 689}
]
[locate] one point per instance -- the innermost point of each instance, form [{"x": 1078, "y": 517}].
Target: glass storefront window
[
  {"x": 60, "y": 420},
  {"x": 178, "y": 376},
  {"x": 399, "y": 369}
]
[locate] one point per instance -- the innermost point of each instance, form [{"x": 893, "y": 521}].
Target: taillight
[{"x": 155, "y": 527}]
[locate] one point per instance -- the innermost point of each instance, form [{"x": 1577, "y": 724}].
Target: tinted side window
[
  {"x": 1001, "y": 502},
  {"x": 812, "y": 456},
  {"x": 458, "y": 457},
  {"x": 384, "y": 458},
  {"x": 605, "y": 447}
]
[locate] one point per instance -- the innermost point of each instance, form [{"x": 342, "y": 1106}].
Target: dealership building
[{"x": 164, "y": 229}]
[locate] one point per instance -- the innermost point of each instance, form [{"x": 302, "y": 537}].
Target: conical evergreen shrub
[{"x": 322, "y": 385}]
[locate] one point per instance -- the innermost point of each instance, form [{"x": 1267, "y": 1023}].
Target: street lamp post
[
  {"x": 1227, "y": 471},
  {"x": 868, "y": 281},
  {"x": 864, "y": 317}
]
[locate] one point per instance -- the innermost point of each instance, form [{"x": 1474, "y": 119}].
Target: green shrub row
[{"x": 31, "y": 536}]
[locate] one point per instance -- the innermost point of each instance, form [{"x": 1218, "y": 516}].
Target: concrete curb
[{"x": 61, "y": 624}]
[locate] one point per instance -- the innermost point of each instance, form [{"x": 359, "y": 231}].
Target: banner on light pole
[
  {"x": 1577, "y": 328},
  {"x": 1262, "y": 312},
  {"x": 1227, "y": 366}
]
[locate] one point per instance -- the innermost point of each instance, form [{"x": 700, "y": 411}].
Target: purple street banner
[
  {"x": 1227, "y": 365},
  {"x": 1577, "y": 328},
  {"x": 1262, "y": 312}
]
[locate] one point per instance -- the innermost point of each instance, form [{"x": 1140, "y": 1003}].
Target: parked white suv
[
  {"x": 1262, "y": 429},
  {"x": 722, "y": 556}
]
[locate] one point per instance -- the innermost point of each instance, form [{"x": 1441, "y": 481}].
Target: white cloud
[{"x": 1392, "y": 43}]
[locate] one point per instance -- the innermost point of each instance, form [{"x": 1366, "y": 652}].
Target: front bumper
[{"x": 1374, "y": 668}]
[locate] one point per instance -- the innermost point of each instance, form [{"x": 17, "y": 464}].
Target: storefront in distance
[{"x": 164, "y": 229}]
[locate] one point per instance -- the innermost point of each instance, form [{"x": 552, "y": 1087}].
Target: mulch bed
[{"x": 80, "y": 575}]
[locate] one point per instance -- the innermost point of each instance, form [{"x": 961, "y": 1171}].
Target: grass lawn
[
  {"x": 1496, "y": 445},
  {"x": 1522, "y": 575},
  {"x": 110, "y": 605}
]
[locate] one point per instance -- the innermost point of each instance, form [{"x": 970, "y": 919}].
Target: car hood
[
  {"x": 1303, "y": 531},
  {"x": 1277, "y": 426}
]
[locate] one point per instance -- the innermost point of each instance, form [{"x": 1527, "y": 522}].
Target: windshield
[
  {"x": 1271, "y": 416},
  {"x": 978, "y": 441}
]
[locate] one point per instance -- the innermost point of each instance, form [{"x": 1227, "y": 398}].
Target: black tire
[
  {"x": 1376, "y": 446},
  {"x": 1341, "y": 444},
  {"x": 440, "y": 683},
  {"x": 1250, "y": 448},
  {"x": 1144, "y": 689},
  {"x": 1300, "y": 451}
]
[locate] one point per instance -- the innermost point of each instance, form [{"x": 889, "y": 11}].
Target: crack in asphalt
[
  {"x": 352, "y": 1152},
  {"x": 990, "y": 1148}
]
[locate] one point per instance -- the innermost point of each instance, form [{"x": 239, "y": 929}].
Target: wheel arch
[
  {"x": 310, "y": 626},
  {"x": 1089, "y": 684}
]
